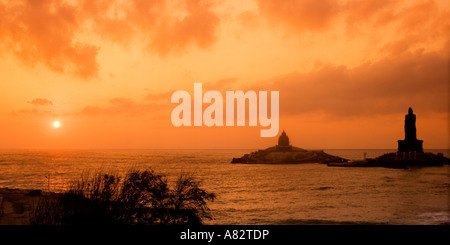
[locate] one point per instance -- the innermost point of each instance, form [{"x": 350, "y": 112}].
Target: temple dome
[{"x": 283, "y": 140}]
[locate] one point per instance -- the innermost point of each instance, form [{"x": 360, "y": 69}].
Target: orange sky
[{"x": 347, "y": 71}]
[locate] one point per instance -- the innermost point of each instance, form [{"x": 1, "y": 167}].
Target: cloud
[
  {"x": 359, "y": 13},
  {"x": 421, "y": 25},
  {"x": 126, "y": 107},
  {"x": 415, "y": 16},
  {"x": 44, "y": 32},
  {"x": 197, "y": 28},
  {"x": 39, "y": 101},
  {"x": 319, "y": 15},
  {"x": 48, "y": 32},
  {"x": 32, "y": 112},
  {"x": 221, "y": 85},
  {"x": 300, "y": 14},
  {"x": 391, "y": 85},
  {"x": 66, "y": 36},
  {"x": 117, "y": 106},
  {"x": 396, "y": 26},
  {"x": 249, "y": 19},
  {"x": 163, "y": 97}
]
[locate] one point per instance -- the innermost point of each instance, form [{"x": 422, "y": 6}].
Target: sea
[{"x": 259, "y": 194}]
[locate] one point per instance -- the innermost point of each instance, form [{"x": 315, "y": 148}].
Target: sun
[{"x": 56, "y": 124}]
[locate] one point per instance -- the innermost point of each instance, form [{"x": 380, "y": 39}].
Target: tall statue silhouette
[
  {"x": 410, "y": 143},
  {"x": 410, "y": 126}
]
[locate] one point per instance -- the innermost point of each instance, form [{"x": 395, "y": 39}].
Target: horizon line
[{"x": 114, "y": 148}]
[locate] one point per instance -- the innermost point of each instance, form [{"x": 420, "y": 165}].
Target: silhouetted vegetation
[{"x": 142, "y": 197}]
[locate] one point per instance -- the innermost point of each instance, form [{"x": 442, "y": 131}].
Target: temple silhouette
[
  {"x": 410, "y": 143},
  {"x": 284, "y": 153},
  {"x": 283, "y": 142}
]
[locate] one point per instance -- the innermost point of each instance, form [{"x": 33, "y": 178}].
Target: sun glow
[{"x": 56, "y": 124}]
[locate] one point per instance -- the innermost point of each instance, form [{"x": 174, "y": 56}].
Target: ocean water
[{"x": 259, "y": 194}]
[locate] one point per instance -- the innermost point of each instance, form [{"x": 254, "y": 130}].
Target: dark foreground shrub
[{"x": 142, "y": 197}]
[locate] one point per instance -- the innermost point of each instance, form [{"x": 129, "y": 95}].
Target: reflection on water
[{"x": 260, "y": 194}]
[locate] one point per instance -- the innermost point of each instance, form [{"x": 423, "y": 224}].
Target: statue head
[{"x": 410, "y": 111}]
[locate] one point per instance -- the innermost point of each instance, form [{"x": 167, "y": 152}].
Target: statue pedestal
[{"x": 410, "y": 146}]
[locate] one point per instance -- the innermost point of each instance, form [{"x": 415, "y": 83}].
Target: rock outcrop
[
  {"x": 283, "y": 153},
  {"x": 399, "y": 160},
  {"x": 410, "y": 152}
]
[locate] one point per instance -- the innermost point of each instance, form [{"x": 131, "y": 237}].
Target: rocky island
[
  {"x": 284, "y": 153},
  {"x": 410, "y": 152}
]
